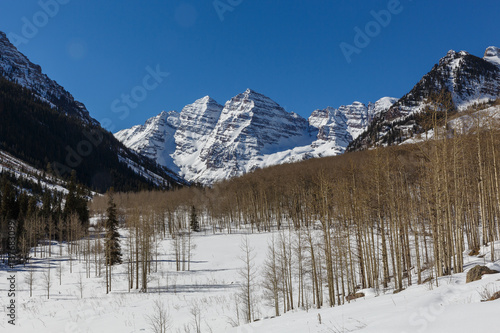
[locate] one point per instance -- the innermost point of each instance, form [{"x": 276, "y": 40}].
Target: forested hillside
[{"x": 57, "y": 143}]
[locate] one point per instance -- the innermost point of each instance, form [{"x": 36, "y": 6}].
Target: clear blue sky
[{"x": 286, "y": 49}]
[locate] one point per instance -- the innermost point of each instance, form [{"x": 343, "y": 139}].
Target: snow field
[{"x": 208, "y": 292}]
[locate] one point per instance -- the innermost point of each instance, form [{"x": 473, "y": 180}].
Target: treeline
[
  {"x": 30, "y": 218},
  {"x": 385, "y": 218},
  {"x": 148, "y": 219},
  {"x": 41, "y": 135}
]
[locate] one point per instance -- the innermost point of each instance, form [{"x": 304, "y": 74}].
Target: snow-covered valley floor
[{"x": 208, "y": 292}]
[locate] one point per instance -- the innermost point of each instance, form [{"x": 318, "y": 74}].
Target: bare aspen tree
[
  {"x": 248, "y": 274},
  {"x": 80, "y": 284},
  {"x": 272, "y": 277},
  {"x": 195, "y": 312},
  {"x": 29, "y": 278},
  {"x": 47, "y": 282},
  {"x": 60, "y": 271},
  {"x": 159, "y": 320}
]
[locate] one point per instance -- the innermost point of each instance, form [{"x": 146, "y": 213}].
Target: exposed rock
[
  {"x": 477, "y": 272},
  {"x": 474, "y": 252},
  {"x": 492, "y": 54},
  {"x": 354, "y": 296}
]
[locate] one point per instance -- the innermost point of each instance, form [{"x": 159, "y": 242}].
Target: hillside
[{"x": 38, "y": 134}]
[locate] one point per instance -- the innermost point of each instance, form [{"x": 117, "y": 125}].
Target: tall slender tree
[{"x": 112, "y": 248}]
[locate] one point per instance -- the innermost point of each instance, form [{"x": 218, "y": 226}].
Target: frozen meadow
[{"x": 204, "y": 299}]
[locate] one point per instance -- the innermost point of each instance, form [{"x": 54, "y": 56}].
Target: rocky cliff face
[
  {"x": 207, "y": 142},
  {"x": 333, "y": 125},
  {"x": 154, "y": 139},
  {"x": 16, "y": 67},
  {"x": 197, "y": 122},
  {"x": 250, "y": 125}
]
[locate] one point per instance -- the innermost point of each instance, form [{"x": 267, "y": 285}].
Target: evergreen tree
[
  {"x": 195, "y": 225},
  {"x": 113, "y": 250},
  {"x": 76, "y": 202}
]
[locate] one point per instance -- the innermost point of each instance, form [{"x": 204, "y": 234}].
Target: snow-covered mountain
[
  {"x": 360, "y": 115},
  {"x": 208, "y": 142},
  {"x": 17, "y": 68},
  {"x": 154, "y": 139},
  {"x": 466, "y": 78}
]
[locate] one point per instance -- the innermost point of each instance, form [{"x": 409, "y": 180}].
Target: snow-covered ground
[
  {"x": 454, "y": 306},
  {"x": 210, "y": 288}
]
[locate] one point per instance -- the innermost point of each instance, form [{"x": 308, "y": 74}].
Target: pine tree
[
  {"x": 195, "y": 225},
  {"x": 113, "y": 250}
]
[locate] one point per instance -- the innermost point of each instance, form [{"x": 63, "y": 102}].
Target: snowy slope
[
  {"x": 208, "y": 142},
  {"x": 488, "y": 117},
  {"x": 197, "y": 123},
  {"x": 452, "y": 307}
]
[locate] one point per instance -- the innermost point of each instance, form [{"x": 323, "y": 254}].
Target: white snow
[{"x": 211, "y": 286}]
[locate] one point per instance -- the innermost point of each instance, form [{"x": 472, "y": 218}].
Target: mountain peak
[
  {"x": 249, "y": 93},
  {"x": 206, "y": 100},
  {"x": 492, "y": 54},
  {"x": 166, "y": 114},
  {"x": 452, "y": 54}
]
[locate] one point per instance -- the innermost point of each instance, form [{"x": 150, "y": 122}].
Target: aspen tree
[{"x": 248, "y": 275}]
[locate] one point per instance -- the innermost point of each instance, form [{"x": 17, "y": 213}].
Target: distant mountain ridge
[
  {"x": 466, "y": 78},
  {"x": 207, "y": 142}
]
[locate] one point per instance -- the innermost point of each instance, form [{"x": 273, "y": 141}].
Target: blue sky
[{"x": 288, "y": 50}]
